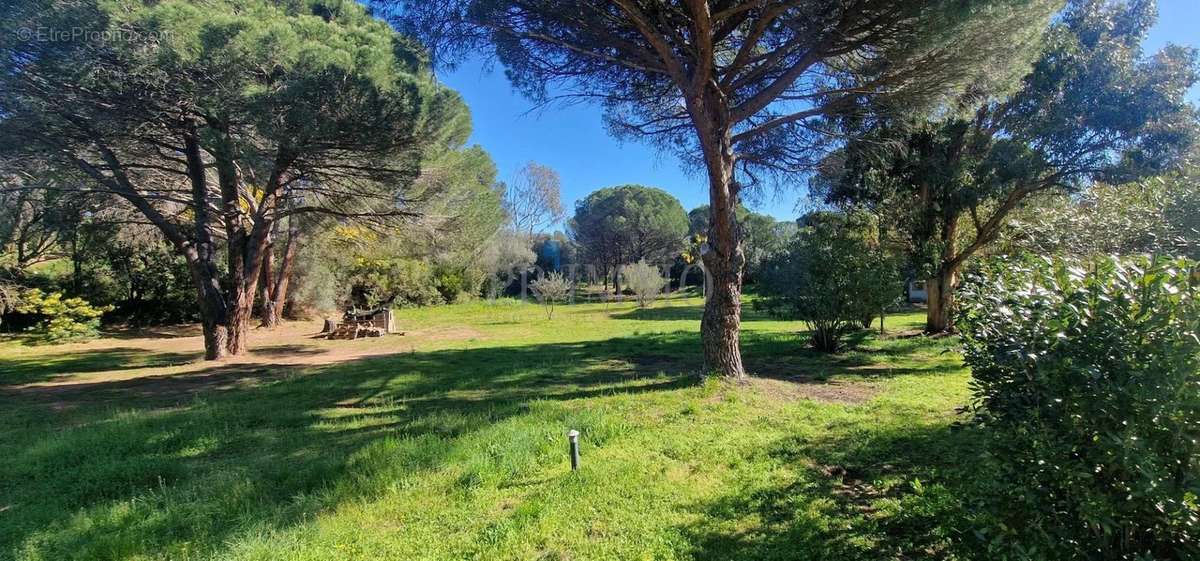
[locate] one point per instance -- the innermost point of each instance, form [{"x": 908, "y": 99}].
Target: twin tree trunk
[
  {"x": 273, "y": 286},
  {"x": 225, "y": 326},
  {"x": 244, "y": 252},
  {"x": 226, "y": 317},
  {"x": 245, "y": 267}
]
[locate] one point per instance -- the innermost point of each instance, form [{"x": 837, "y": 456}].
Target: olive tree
[
  {"x": 532, "y": 198},
  {"x": 645, "y": 280},
  {"x": 550, "y": 290}
]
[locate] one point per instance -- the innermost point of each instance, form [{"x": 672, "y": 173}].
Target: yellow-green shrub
[{"x": 63, "y": 319}]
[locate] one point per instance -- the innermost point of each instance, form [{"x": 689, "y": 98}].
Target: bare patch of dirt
[
  {"x": 851, "y": 488},
  {"x": 165, "y": 364},
  {"x": 830, "y": 391},
  {"x": 175, "y": 353}
]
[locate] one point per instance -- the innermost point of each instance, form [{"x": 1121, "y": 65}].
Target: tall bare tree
[
  {"x": 533, "y": 200},
  {"x": 739, "y": 88}
]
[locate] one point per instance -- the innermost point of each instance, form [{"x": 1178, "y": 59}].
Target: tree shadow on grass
[
  {"x": 158, "y": 465},
  {"x": 56, "y": 364},
  {"x": 288, "y": 350},
  {"x": 789, "y": 357},
  {"x": 891, "y": 493},
  {"x": 144, "y": 467},
  {"x": 668, "y": 311}
]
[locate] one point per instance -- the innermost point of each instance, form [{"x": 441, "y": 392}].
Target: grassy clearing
[{"x": 453, "y": 447}]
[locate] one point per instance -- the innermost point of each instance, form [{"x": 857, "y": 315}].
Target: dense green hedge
[{"x": 1085, "y": 376}]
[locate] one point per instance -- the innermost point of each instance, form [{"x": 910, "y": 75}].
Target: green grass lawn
[{"x": 455, "y": 448}]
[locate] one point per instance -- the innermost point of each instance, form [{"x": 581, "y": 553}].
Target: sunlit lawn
[{"x": 454, "y": 447}]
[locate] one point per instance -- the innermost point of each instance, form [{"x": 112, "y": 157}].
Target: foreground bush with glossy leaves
[{"x": 1085, "y": 376}]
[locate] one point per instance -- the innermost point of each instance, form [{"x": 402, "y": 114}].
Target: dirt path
[{"x": 166, "y": 354}]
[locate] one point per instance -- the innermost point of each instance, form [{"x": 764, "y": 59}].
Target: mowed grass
[{"x": 455, "y": 448}]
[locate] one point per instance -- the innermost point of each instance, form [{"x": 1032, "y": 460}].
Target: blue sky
[{"x": 573, "y": 141}]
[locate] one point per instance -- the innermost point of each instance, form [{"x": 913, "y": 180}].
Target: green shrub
[
  {"x": 456, "y": 283},
  {"x": 835, "y": 275},
  {"x": 62, "y": 319},
  {"x": 1085, "y": 377},
  {"x": 392, "y": 281}
]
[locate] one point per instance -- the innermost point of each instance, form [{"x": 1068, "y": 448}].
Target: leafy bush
[
  {"x": 645, "y": 280},
  {"x": 1086, "y": 375},
  {"x": 391, "y": 281},
  {"x": 453, "y": 282},
  {"x": 833, "y": 275},
  {"x": 63, "y": 319},
  {"x": 549, "y": 290}
]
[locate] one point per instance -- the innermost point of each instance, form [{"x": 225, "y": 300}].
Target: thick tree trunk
[
  {"x": 720, "y": 326},
  {"x": 246, "y": 244},
  {"x": 213, "y": 313},
  {"x": 239, "y": 327},
  {"x": 244, "y": 284},
  {"x": 245, "y": 276},
  {"x": 940, "y": 291},
  {"x": 201, "y": 256},
  {"x": 206, "y": 278},
  {"x": 239, "y": 303}
]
